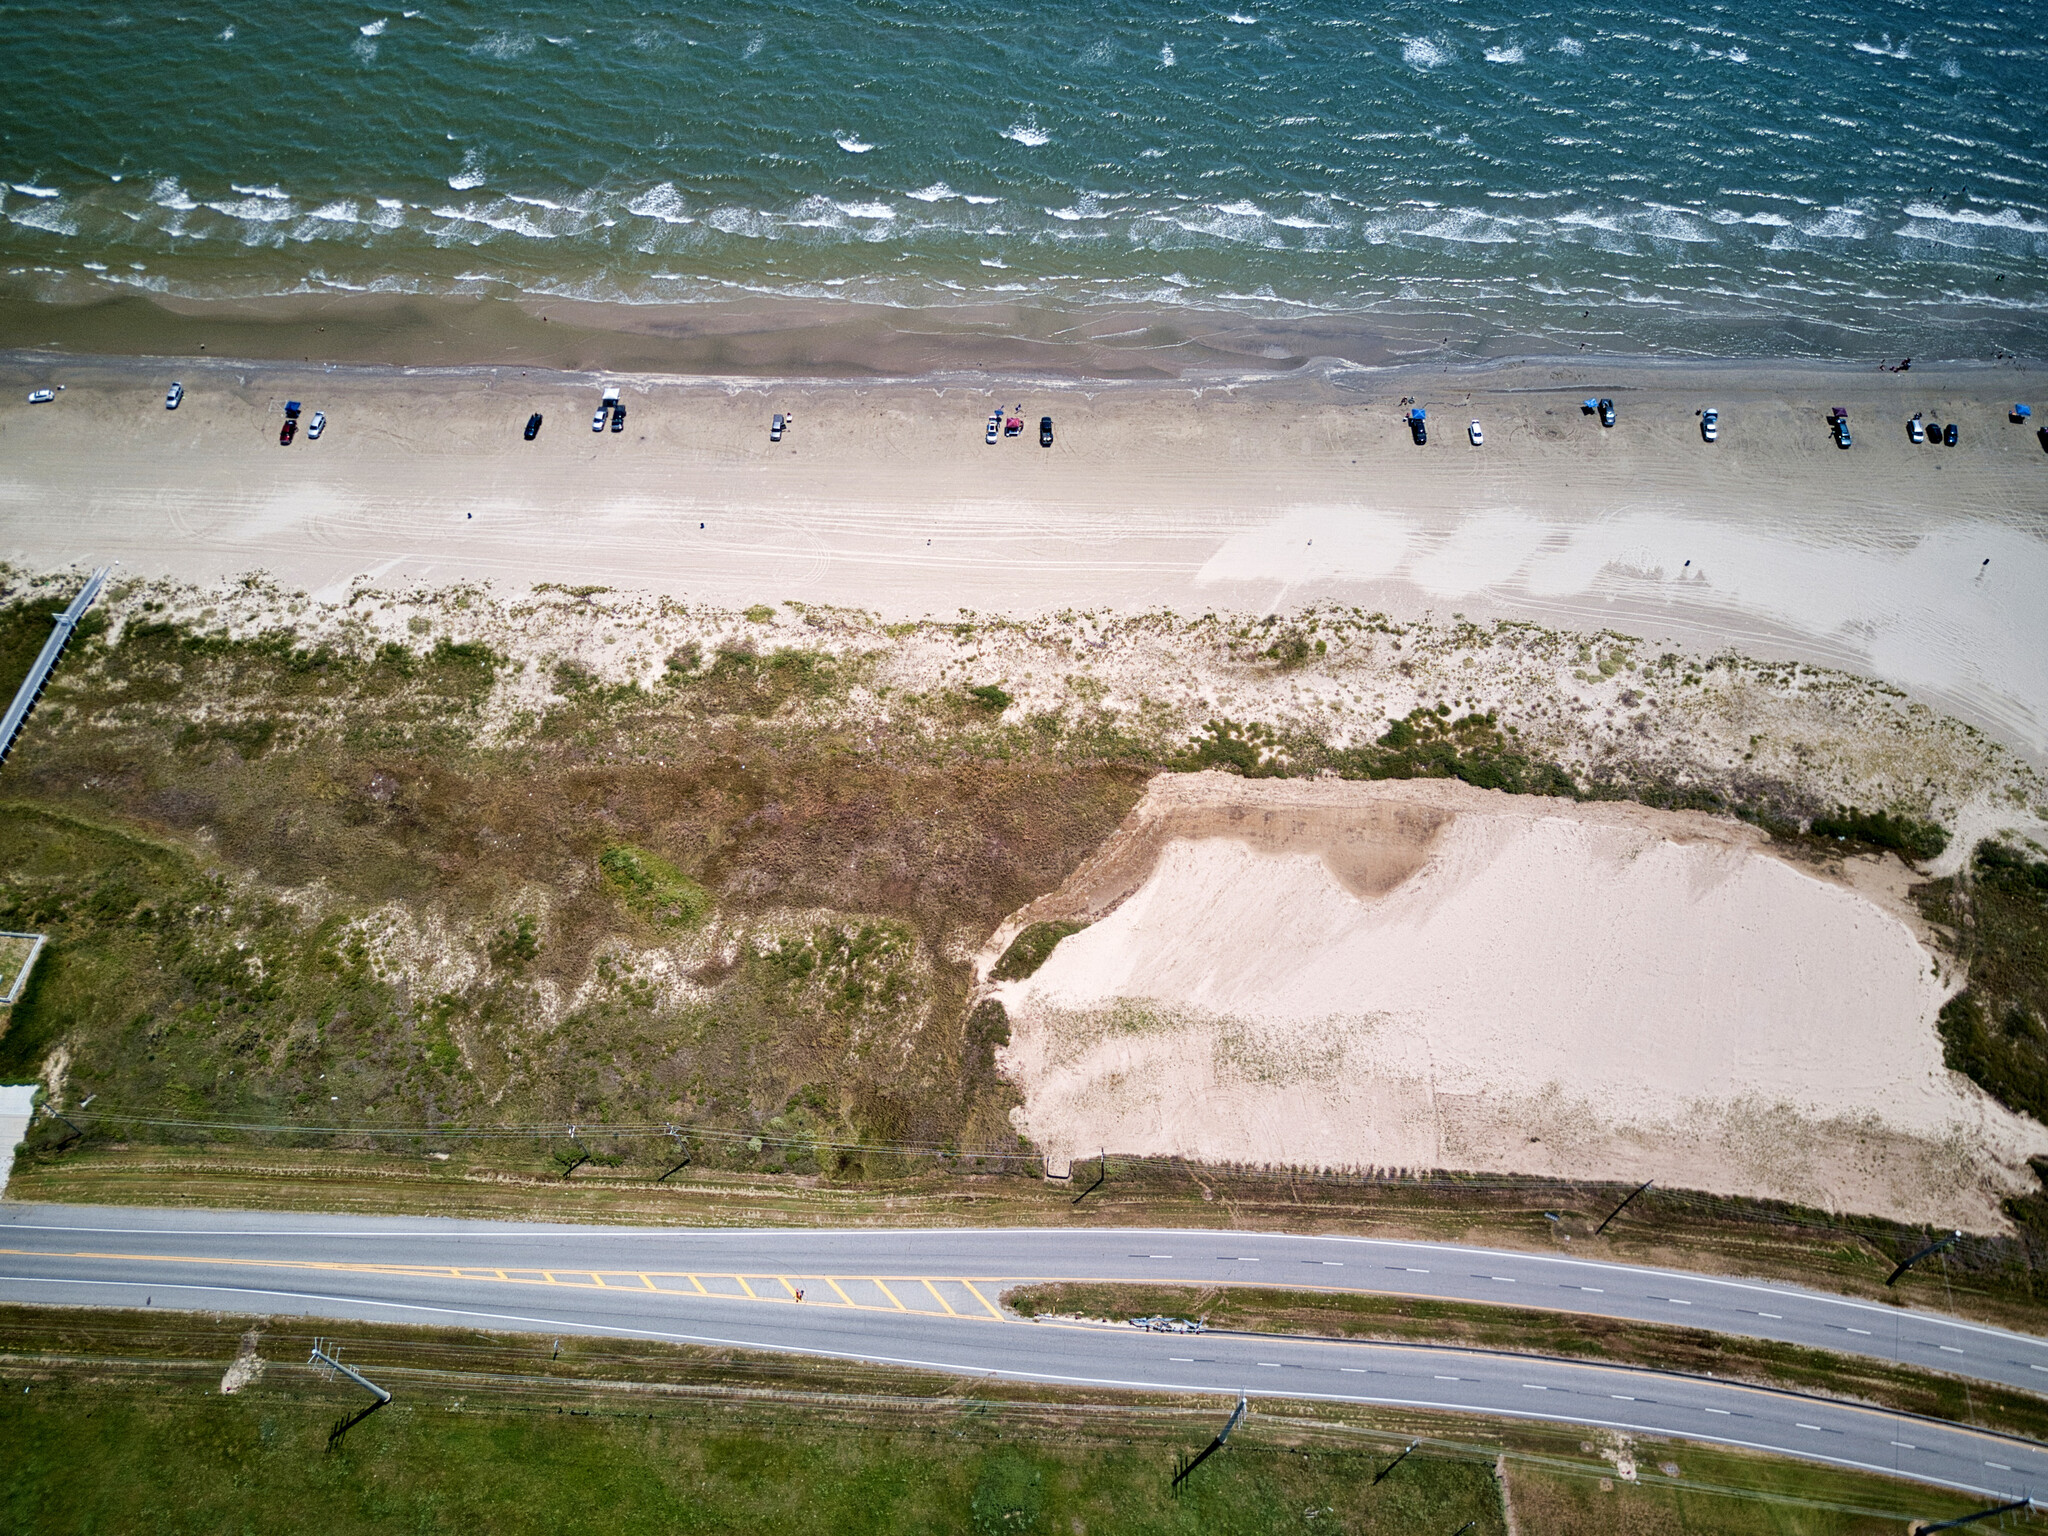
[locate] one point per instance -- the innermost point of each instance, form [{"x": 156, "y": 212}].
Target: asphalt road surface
[{"x": 930, "y": 1299}]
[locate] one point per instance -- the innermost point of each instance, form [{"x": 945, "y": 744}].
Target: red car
[
  {"x": 288, "y": 431},
  {"x": 1013, "y": 426}
]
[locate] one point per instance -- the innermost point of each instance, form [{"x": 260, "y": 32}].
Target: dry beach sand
[
  {"x": 1195, "y": 495},
  {"x": 1427, "y": 975}
]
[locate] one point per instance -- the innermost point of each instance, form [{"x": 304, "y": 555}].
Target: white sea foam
[
  {"x": 1951, "y": 70},
  {"x": 471, "y": 175},
  {"x": 493, "y": 216},
  {"x": 1027, "y": 133},
  {"x": 48, "y": 217},
  {"x": 1242, "y": 20},
  {"x": 937, "y": 192},
  {"x": 389, "y": 202},
  {"x": 1421, "y": 53},
  {"x": 1570, "y": 47},
  {"x": 166, "y": 193},
  {"x": 850, "y": 144},
  {"x": 254, "y": 210},
  {"x": 502, "y": 45},
  {"x": 227, "y": 34},
  {"x": 342, "y": 212},
  {"x": 1511, "y": 54},
  {"x": 28, "y": 190},
  {"x": 1166, "y": 55},
  {"x": 995, "y": 261},
  {"x": 1738, "y": 55},
  {"x": 1885, "y": 50},
  {"x": 364, "y": 48},
  {"x": 662, "y": 202},
  {"x": 277, "y": 193},
  {"x": 969, "y": 197},
  {"x": 867, "y": 210},
  {"x": 374, "y": 28}
]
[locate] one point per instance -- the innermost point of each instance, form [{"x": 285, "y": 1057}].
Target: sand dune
[{"x": 1427, "y": 975}]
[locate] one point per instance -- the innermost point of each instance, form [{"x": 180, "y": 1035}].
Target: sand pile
[{"x": 1427, "y": 975}]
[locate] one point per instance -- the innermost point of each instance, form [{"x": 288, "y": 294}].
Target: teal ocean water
[{"x": 1855, "y": 179}]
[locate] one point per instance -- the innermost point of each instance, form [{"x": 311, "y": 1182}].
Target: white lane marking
[
  {"x": 1234, "y": 1258},
  {"x": 1776, "y": 1317},
  {"x": 1595, "y": 1289},
  {"x": 1866, "y": 1333},
  {"x": 1676, "y": 1301},
  {"x": 1450, "y": 1378},
  {"x": 1530, "y": 1386},
  {"x": 1949, "y": 1348},
  {"x": 2038, "y": 1367},
  {"x": 1619, "y": 1398},
  {"x": 1814, "y": 1427},
  {"x": 1722, "y": 1411},
  {"x": 1998, "y": 1466},
  {"x": 1269, "y": 1365},
  {"x": 1326, "y": 1263},
  {"x": 1354, "y": 1370},
  {"x": 1180, "y": 1359},
  {"x": 1902, "y": 1445},
  {"x": 1410, "y": 1269},
  {"x": 1503, "y": 1279}
]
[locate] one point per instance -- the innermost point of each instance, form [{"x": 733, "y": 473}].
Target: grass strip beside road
[
  {"x": 1521, "y": 1330},
  {"x": 116, "y": 1420}
]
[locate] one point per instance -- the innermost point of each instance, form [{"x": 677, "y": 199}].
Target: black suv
[
  {"x": 533, "y": 426},
  {"x": 1045, "y": 431},
  {"x": 1606, "y": 413}
]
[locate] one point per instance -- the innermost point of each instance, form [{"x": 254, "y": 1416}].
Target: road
[{"x": 929, "y": 1299}]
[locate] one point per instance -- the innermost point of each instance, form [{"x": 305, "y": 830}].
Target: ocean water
[{"x": 1843, "y": 180}]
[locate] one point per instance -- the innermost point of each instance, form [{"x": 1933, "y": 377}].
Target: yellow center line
[
  {"x": 876, "y": 1282},
  {"x": 697, "y": 1283},
  {"x": 938, "y": 1298},
  {"x": 846, "y": 1298},
  {"x": 992, "y": 1311},
  {"x": 746, "y": 1287},
  {"x": 787, "y": 1286}
]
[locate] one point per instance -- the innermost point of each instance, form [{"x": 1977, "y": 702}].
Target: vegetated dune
[{"x": 1427, "y": 975}]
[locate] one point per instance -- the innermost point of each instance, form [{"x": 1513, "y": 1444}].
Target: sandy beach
[
  {"x": 1255, "y": 494},
  {"x": 1190, "y": 494}
]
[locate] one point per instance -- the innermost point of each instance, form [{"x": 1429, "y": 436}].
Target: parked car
[
  {"x": 1045, "y": 431},
  {"x": 604, "y": 413},
  {"x": 1948, "y": 435},
  {"x": 1710, "y": 425},
  {"x": 995, "y": 426},
  {"x": 1418, "y": 425},
  {"x": 174, "y": 396},
  {"x": 288, "y": 431},
  {"x": 533, "y": 426},
  {"x": 1916, "y": 431},
  {"x": 1477, "y": 435},
  {"x": 618, "y": 418},
  {"x": 1606, "y": 413},
  {"x": 775, "y": 428},
  {"x": 1013, "y": 427},
  {"x": 316, "y": 426},
  {"x": 41, "y": 396},
  {"x": 1838, "y": 420}
]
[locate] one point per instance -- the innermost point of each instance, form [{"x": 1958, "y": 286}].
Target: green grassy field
[{"x": 116, "y": 1422}]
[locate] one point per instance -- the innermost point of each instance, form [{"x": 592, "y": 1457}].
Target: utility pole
[
  {"x": 1982, "y": 1514},
  {"x": 1187, "y": 1467},
  {"x": 1939, "y": 1245},
  {"x": 1101, "y": 1175},
  {"x": 328, "y": 1363},
  {"x": 580, "y": 1148},
  {"x": 1389, "y": 1467},
  {"x": 1623, "y": 1206},
  {"x": 681, "y": 1146}
]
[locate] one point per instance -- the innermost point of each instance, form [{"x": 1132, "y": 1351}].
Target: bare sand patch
[{"x": 1428, "y": 975}]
